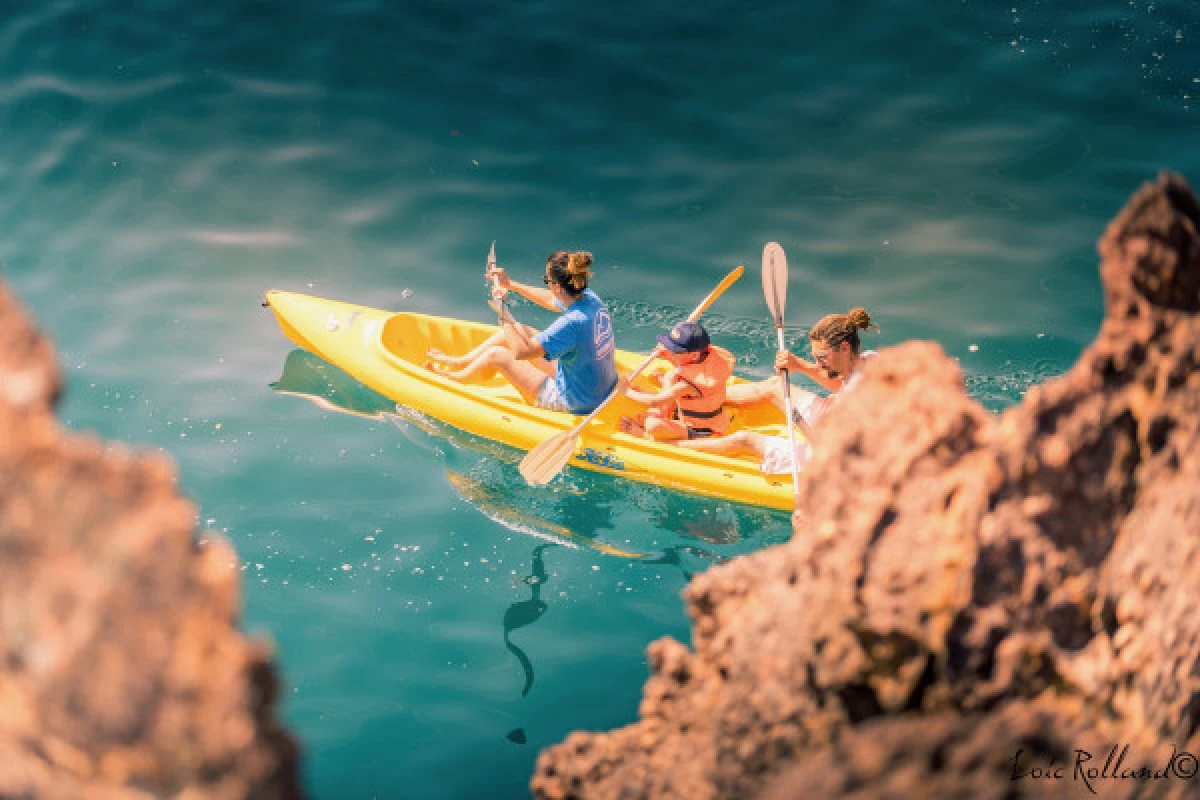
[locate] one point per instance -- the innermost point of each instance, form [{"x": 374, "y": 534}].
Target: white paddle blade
[
  {"x": 502, "y": 308},
  {"x": 775, "y": 280},
  {"x": 542, "y": 463}
]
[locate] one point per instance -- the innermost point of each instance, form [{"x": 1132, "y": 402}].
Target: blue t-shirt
[{"x": 581, "y": 343}]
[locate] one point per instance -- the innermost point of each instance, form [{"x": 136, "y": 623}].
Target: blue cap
[{"x": 686, "y": 337}]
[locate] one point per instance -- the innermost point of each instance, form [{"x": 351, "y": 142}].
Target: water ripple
[
  {"x": 259, "y": 87},
  {"x": 949, "y": 167},
  {"x": 103, "y": 92},
  {"x": 267, "y": 238}
]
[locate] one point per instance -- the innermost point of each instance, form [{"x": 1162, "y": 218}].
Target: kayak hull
[{"x": 385, "y": 350}]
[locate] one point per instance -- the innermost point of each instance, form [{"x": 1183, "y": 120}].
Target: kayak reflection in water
[{"x": 570, "y": 366}]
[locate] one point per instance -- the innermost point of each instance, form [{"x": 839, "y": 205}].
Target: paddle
[
  {"x": 502, "y": 308},
  {"x": 546, "y": 460},
  {"x": 775, "y": 280}
]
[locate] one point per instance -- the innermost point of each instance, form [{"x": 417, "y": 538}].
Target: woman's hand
[{"x": 500, "y": 276}]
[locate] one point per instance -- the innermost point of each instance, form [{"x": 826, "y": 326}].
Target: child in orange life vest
[{"x": 691, "y": 404}]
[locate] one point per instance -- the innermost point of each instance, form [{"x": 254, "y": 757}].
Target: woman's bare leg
[
  {"x": 542, "y": 365},
  {"x": 520, "y": 336},
  {"x": 525, "y": 377},
  {"x": 500, "y": 337},
  {"x": 441, "y": 359}
]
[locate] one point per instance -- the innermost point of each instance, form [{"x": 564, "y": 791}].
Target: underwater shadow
[{"x": 526, "y": 612}]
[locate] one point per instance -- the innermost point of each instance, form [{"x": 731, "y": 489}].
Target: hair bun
[
  {"x": 859, "y": 318},
  {"x": 578, "y": 268}
]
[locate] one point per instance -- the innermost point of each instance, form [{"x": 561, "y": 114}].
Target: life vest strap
[{"x": 702, "y": 414}]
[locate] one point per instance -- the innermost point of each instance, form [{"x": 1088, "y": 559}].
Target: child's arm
[{"x": 670, "y": 393}]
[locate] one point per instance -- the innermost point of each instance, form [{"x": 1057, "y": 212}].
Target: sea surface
[{"x": 947, "y": 165}]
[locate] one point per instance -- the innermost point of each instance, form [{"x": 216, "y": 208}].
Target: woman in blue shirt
[{"x": 570, "y": 366}]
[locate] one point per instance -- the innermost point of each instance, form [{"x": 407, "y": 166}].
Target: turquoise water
[{"x": 947, "y": 165}]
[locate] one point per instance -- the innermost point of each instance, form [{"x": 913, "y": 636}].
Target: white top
[{"x": 811, "y": 407}]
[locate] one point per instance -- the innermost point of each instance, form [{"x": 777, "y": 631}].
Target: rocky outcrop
[
  {"x": 962, "y": 585},
  {"x": 123, "y": 674}
]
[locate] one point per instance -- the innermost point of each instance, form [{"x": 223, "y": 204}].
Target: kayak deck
[{"x": 387, "y": 352}]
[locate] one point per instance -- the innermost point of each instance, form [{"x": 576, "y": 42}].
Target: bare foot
[
  {"x": 632, "y": 427},
  {"x": 444, "y": 371},
  {"x": 439, "y": 359}
]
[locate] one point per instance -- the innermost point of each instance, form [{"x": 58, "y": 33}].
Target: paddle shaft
[
  {"x": 632, "y": 377},
  {"x": 775, "y": 280},
  {"x": 787, "y": 404},
  {"x": 502, "y": 309}
]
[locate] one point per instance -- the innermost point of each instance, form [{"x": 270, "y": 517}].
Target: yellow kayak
[{"x": 386, "y": 351}]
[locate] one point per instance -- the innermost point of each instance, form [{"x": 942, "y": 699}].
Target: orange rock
[
  {"x": 124, "y": 676},
  {"x": 960, "y": 577}
]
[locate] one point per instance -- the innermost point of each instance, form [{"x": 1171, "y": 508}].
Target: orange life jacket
[{"x": 704, "y": 406}]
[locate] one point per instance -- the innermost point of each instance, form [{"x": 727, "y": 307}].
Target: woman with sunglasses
[
  {"x": 838, "y": 355},
  {"x": 570, "y": 366}
]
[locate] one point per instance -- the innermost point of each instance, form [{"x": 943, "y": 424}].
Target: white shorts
[
  {"x": 777, "y": 460},
  {"x": 808, "y": 407},
  {"x": 549, "y": 398}
]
